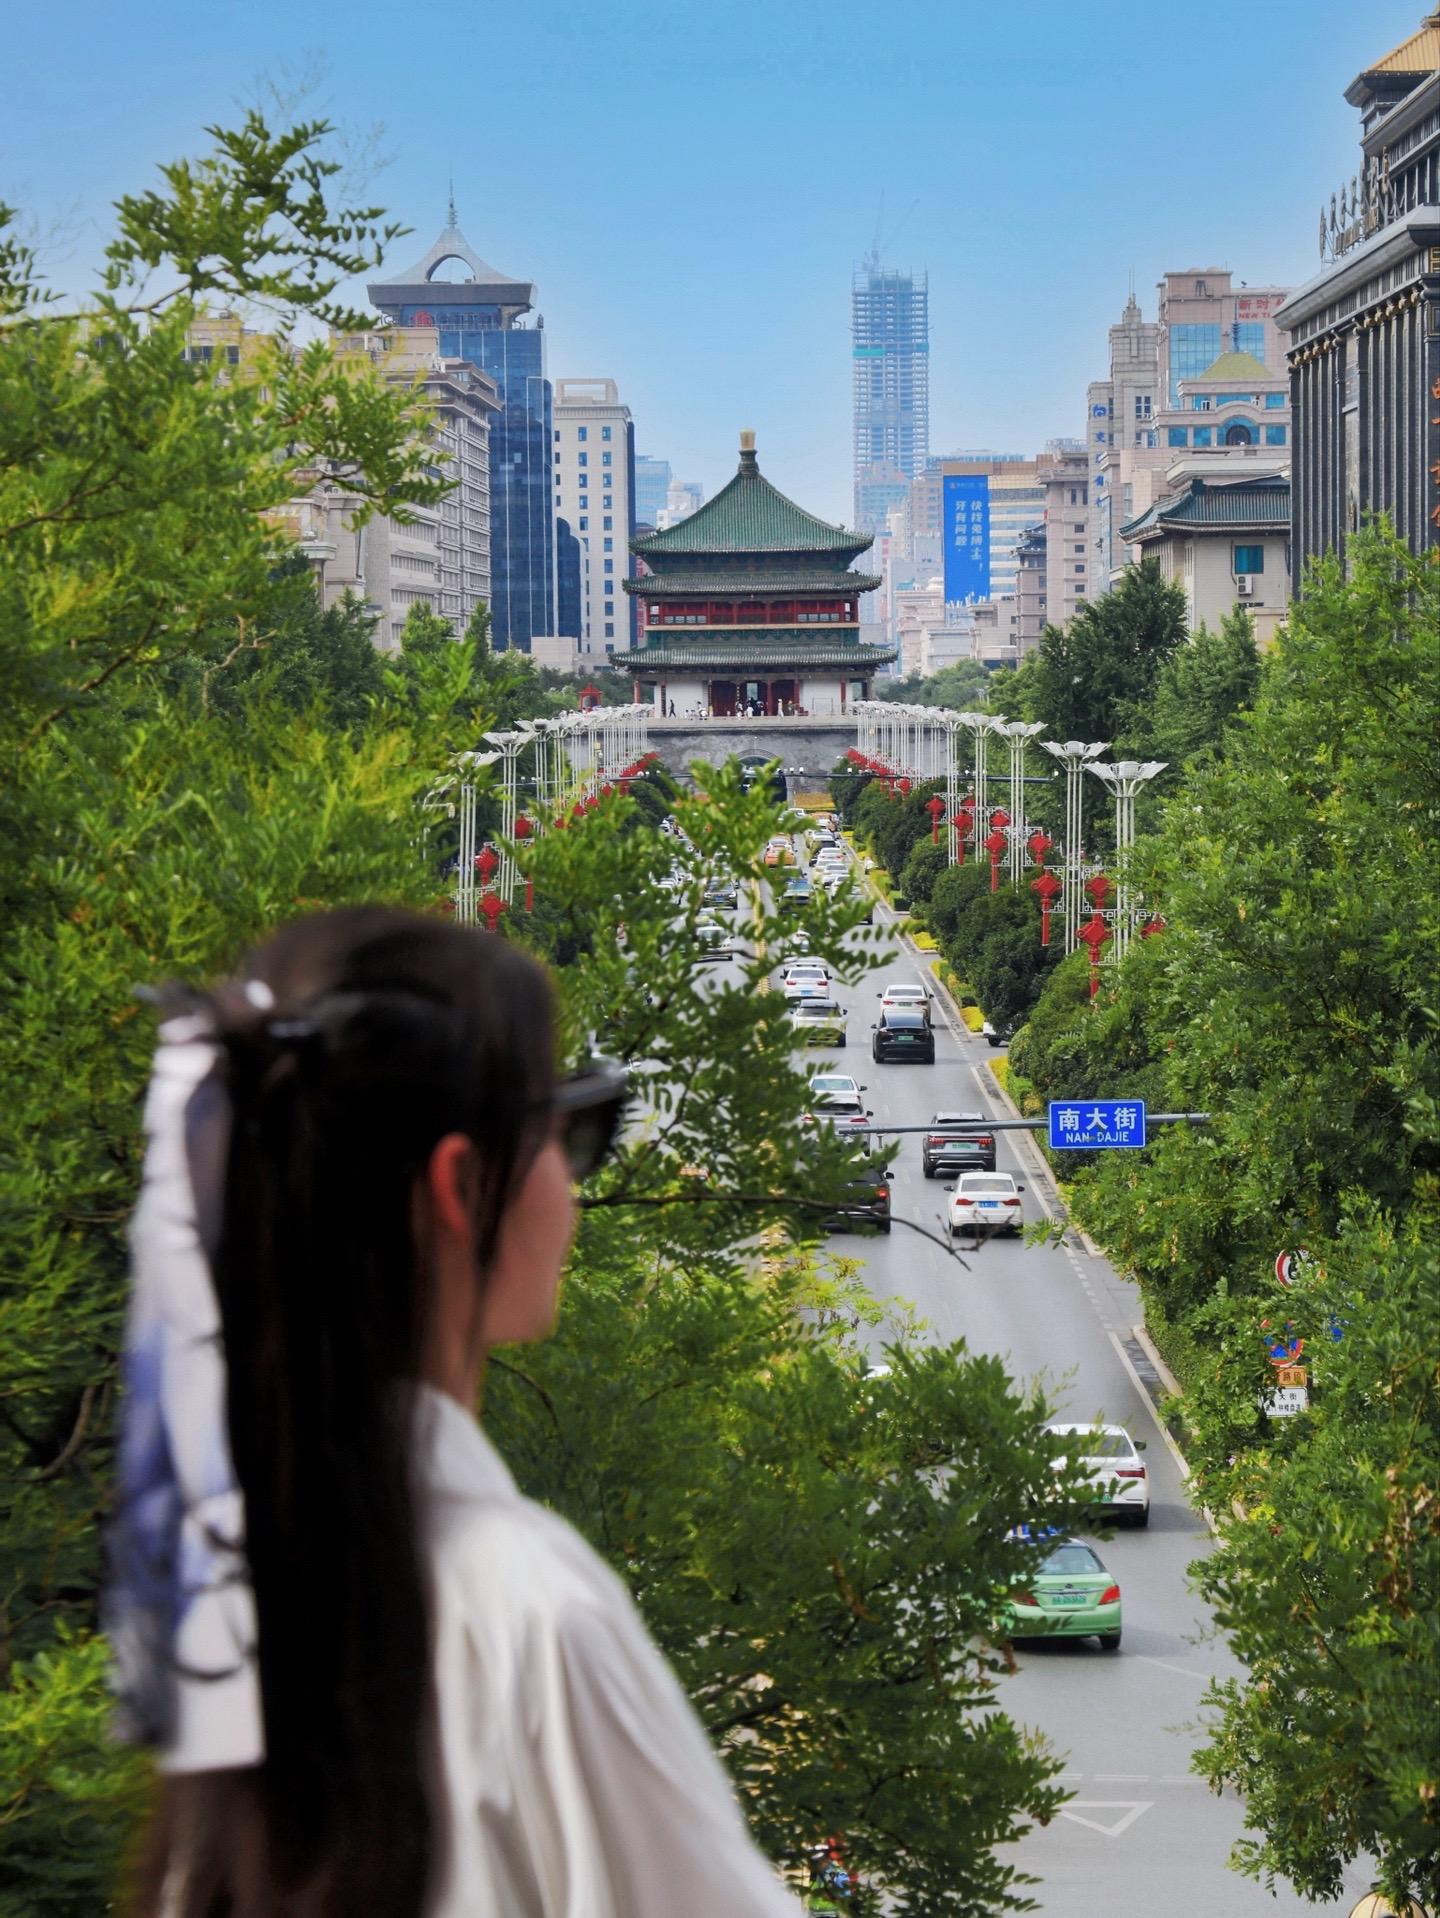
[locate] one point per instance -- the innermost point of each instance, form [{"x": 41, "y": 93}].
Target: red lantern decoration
[
  {"x": 486, "y": 861},
  {"x": 1047, "y": 885},
  {"x": 1039, "y": 844},
  {"x": 995, "y": 843},
  {"x": 605, "y": 791},
  {"x": 935, "y": 807},
  {"x": 1094, "y": 933},
  {"x": 492, "y": 905},
  {"x": 1097, "y": 891},
  {"x": 999, "y": 817},
  {"x": 963, "y": 820},
  {"x": 1152, "y": 926},
  {"x": 904, "y": 785}
]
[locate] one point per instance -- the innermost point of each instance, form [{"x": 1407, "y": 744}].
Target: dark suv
[
  {"x": 958, "y": 1142},
  {"x": 866, "y": 1201},
  {"x": 903, "y": 1033}
]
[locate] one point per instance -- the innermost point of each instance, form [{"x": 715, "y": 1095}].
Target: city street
[{"x": 1140, "y": 1824}]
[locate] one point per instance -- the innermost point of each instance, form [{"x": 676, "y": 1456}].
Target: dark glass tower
[{"x": 482, "y": 319}]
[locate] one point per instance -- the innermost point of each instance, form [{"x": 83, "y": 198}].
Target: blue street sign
[{"x": 1092, "y": 1124}]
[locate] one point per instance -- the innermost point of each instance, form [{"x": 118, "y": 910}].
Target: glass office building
[
  {"x": 890, "y": 351},
  {"x": 482, "y": 319}
]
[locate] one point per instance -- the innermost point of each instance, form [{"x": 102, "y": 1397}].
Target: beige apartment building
[
  {"x": 442, "y": 557},
  {"x": 1063, "y": 472},
  {"x": 594, "y": 483}
]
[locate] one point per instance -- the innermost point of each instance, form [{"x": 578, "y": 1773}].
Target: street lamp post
[
  {"x": 465, "y": 913},
  {"x": 1016, "y": 732},
  {"x": 509, "y": 745},
  {"x": 952, "y": 723},
  {"x": 1125, "y": 780},
  {"x": 979, "y": 726},
  {"x": 1074, "y": 756}
]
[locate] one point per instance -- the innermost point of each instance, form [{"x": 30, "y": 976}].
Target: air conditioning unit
[{"x": 1245, "y": 585}]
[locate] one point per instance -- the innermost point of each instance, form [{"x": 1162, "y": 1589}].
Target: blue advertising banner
[{"x": 965, "y": 518}]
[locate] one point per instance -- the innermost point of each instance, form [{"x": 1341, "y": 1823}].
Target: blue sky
[{"x": 690, "y": 186}]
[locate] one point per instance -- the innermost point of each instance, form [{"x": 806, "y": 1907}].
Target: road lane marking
[
  {"x": 1121, "y": 1777},
  {"x": 1201, "y": 1678},
  {"x": 1129, "y": 1808}
]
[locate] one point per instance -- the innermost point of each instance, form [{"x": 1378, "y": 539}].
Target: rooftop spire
[
  {"x": 748, "y": 461},
  {"x": 451, "y": 221}
]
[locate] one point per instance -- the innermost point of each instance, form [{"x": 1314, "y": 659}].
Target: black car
[
  {"x": 721, "y": 892},
  {"x": 958, "y": 1142},
  {"x": 866, "y": 1201},
  {"x": 903, "y": 1033}
]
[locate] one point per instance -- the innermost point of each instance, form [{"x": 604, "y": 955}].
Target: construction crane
[{"x": 872, "y": 258}]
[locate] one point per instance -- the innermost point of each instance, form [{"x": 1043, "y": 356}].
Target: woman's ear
[{"x": 452, "y": 1183}]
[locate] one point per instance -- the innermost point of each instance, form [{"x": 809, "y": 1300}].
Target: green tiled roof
[
  {"x": 750, "y": 516},
  {"x": 771, "y": 580},
  {"x": 1238, "y": 366},
  {"x": 1238, "y": 506},
  {"x": 765, "y": 647}
]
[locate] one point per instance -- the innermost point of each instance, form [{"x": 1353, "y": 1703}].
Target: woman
[{"x": 380, "y": 1680}]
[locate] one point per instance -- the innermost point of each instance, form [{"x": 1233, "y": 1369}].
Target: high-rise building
[
  {"x": 652, "y": 484},
  {"x": 983, "y": 503},
  {"x": 1203, "y": 316},
  {"x": 682, "y": 498},
  {"x": 1063, "y": 471},
  {"x": 1031, "y": 598},
  {"x": 595, "y": 490},
  {"x": 890, "y": 343},
  {"x": 1119, "y": 413},
  {"x": 482, "y": 319},
  {"x": 1364, "y": 335}
]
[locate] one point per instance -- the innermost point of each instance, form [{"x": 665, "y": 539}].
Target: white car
[
  {"x": 818, "y": 1022},
  {"x": 985, "y": 1202},
  {"x": 806, "y": 979},
  {"x": 712, "y": 941},
  {"x": 829, "y": 856},
  {"x": 913, "y": 998},
  {"x": 1112, "y": 1459},
  {"x": 834, "y": 1085}
]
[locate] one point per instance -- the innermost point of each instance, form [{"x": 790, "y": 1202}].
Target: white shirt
[{"x": 575, "y": 1780}]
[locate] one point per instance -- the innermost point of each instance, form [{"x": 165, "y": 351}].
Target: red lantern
[
  {"x": 963, "y": 820},
  {"x": 904, "y": 785},
  {"x": 1097, "y": 891},
  {"x": 1039, "y": 844},
  {"x": 935, "y": 807},
  {"x": 605, "y": 791},
  {"x": 995, "y": 843},
  {"x": 1094, "y": 933},
  {"x": 1047, "y": 885},
  {"x": 1152, "y": 926},
  {"x": 485, "y": 863},
  {"x": 492, "y": 905},
  {"x": 999, "y": 817}
]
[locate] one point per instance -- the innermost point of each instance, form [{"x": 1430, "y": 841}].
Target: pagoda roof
[
  {"x": 770, "y": 581},
  {"x": 751, "y": 516},
  {"x": 767, "y": 647},
  {"x": 1260, "y": 504},
  {"x": 1237, "y": 366}
]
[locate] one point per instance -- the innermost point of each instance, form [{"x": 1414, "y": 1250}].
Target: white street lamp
[
  {"x": 1017, "y": 731},
  {"x": 1074, "y": 756},
  {"x": 1125, "y": 780}
]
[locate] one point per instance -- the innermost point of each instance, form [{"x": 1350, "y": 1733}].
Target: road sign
[
  {"x": 1286, "y": 1401},
  {"x": 1293, "y": 1375},
  {"x": 1284, "y": 1351},
  {"x": 1090, "y": 1125},
  {"x": 1289, "y": 1265}
]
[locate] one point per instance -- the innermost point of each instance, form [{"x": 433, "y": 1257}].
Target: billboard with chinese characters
[{"x": 965, "y": 519}]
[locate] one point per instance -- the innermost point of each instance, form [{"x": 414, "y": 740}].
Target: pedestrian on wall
[
  {"x": 672, "y": 708},
  {"x": 377, "y": 1678}
]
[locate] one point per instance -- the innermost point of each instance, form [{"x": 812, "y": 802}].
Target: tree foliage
[
  {"x": 1094, "y": 678},
  {"x": 1292, "y": 997}
]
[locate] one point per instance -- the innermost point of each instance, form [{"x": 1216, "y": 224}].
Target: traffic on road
[{"x": 1113, "y": 1650}]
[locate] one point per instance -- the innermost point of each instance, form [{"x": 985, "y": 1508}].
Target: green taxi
[{"x": 1070, "y": 1595}]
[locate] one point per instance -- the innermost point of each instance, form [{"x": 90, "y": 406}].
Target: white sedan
[
  {"x": 985, "y": 1202},
  {"x": 902, "y": 994},
  {"x": 1112, "y": 1461},
  {"x": 806, "y": 979}
]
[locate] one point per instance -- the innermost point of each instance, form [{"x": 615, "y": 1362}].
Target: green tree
[
  {"x": 1094, "y": 679},
  {"x": 957, "y": 687},
  {"x": 1201, "y": 687},
  {"x": 1292, "y": 997}
]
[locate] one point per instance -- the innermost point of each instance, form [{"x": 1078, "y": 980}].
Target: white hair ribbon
[{"x": 180, "y": 1608}]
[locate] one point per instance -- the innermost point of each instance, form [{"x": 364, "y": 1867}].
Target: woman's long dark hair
[{"x": 388, "y": 1032}]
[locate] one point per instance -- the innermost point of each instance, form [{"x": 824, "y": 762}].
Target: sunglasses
[{"x": 588, "y": 1109}]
